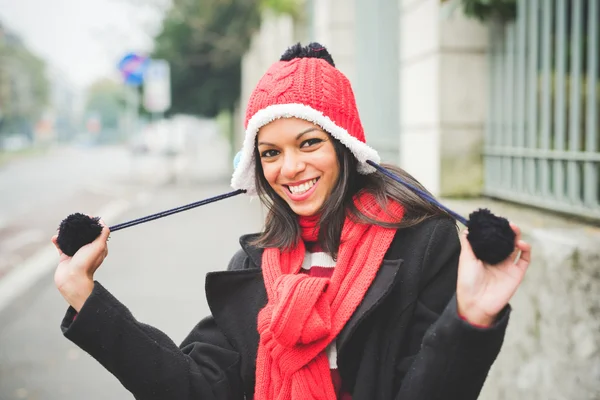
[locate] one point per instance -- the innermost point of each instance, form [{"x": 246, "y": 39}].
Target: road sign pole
[{"x": 132, "y": 106}]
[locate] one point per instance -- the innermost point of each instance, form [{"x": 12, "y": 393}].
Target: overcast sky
[{"x": 83, "y": 39}]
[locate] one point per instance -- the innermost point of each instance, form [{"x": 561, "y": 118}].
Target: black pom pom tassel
[
  {"x": 490, "y": 236},
  {"x": 313, "y": 50},
  {"x": 76, "y": 231}
]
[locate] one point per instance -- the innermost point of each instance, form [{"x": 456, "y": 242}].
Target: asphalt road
[
  {"x": 156, "y": 269},
  {"x": 54, "y": 176},
  {"x": 36, "y": 193}
]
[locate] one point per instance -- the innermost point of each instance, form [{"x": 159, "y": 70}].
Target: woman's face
[{"x": 299, "y": 163}]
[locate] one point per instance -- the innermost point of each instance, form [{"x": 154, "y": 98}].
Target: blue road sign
[{"x": 132, "y": 67}]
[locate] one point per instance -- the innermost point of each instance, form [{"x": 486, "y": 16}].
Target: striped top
[
  {"x": 317, "y": 263},
  {"x": 320, "y": 264}
]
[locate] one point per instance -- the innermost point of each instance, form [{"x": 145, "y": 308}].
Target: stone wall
[{"x": 552, "y": 346}]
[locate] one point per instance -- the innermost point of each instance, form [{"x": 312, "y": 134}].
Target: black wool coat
[{"x": 405, "y": 341}]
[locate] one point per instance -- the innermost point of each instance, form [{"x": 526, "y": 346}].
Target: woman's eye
[
  {"x": 269, "y": 153},
  {"x": 311, "y": 142}
]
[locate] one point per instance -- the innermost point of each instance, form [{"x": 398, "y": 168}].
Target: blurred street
[
  {"x": 37, "y": 192},
  {"x": 56, "y": 176},
  {"x": 156, "y": 269}
]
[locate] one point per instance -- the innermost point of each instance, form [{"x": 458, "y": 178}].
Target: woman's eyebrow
[
  {"x": 311, "y": 129},
  {"x": 314, "y": 128}
]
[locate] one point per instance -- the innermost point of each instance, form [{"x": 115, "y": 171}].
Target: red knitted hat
[{"x": 303, "y": 84}]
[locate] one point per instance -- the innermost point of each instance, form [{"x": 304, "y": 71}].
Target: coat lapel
[
  {"x": 382, "y": 285},
  {"x": 253, "y": 252},
  {"x": 235, "y": 298}
]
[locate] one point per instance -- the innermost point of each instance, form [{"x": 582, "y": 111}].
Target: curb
[{"x": 24, "y": 276}]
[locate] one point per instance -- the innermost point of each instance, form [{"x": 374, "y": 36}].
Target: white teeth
[{"x": 302, "y": 188}]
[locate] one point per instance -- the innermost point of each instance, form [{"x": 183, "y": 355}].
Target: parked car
[{"x": 14, "y": 142}]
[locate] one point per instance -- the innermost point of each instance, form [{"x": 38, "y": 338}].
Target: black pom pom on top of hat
[
  {"x": 76, "y": 231},
  {"x": 491, "y": 237},
  {"x": 312, "y": 50}
]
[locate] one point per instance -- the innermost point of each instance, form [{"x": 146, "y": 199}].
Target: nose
[{"x": 292, "y": 165}]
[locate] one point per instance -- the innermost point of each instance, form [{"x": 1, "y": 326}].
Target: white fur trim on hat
[{"x": 243, "y": 176}]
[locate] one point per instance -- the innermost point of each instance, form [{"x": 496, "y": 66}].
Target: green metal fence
[{"x": 542, "y": 142}]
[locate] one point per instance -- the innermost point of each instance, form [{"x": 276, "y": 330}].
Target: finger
[
  {"x": 466, "y": 252},
  {"x": 54, "y": 241},
  {"x": 60, "y": 253},
  {"x": 105, "y": 230},
  {"x": 520, "y": 246},
  {"x": 523, "y": 245},
  {"x": 525, "y": 257},
  {"x": 516, "y": 230},
  {"x": 514, "y": 255},
  {"x": 98, "y": 246},
  {"x": 100, "y": 257},
  {"x": 100, "y": 243}
]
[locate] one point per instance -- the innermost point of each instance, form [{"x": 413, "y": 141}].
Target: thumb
[
  {"x": 105, "y": 231},
  {"x": 466, "y": 252},
  {"x": 54, "y": 241}
]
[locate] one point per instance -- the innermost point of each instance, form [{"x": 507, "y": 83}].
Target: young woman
[{"x": 356, "y": 289}]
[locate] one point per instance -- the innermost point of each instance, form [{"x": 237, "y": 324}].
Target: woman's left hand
[{"x": 483, "y": 290}]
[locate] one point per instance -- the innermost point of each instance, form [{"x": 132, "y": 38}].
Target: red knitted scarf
[{"x": 304, "y": 314}]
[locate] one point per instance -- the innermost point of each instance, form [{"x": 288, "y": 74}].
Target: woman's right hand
[{"x": 74, "y": 276}]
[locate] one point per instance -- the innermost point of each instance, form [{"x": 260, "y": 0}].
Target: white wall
[
  {"x": 443, "y": 95},
  {"x": 333, "y": 27},
  {"x": 420, "y": 91},
  {"x": 276, "y": 34},
  {"x": 377, "y": 78}
]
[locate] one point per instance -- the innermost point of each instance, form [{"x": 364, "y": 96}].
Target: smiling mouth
[{"x": 302, "y": 188}]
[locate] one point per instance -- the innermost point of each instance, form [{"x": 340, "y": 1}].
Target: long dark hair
[{"x": 281, "y": 226}]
